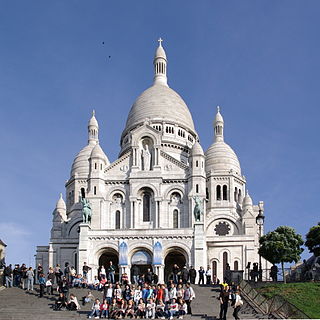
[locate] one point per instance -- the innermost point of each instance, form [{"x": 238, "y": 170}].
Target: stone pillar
[
  {"x": 83, "y": 247},
  {"x": 200, "y": 246},
  {"x": 158, "y": 269},
  {"x": 50, "y": 262}
]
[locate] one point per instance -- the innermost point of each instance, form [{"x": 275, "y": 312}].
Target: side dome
[
  {"x": 160, "y": 103},
  {"x": 220, "y": 158},
  {"x": 197, "y": 149},
  {"x": 97, "y": 152},
  {"x": 80, "y": 164}
]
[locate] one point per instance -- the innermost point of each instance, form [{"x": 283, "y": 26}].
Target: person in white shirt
[{"x": 208, "y": 275}]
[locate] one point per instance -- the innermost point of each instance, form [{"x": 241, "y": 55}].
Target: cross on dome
[{"x": 160, "y": 40}]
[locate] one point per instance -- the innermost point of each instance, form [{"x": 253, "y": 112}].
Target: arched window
[
  {"x": 101, "y": 166},
  {"x": 235, "y": 193},
  {"x": 95, "y": 166},
  {"x": 239, "y": 196},
  {"x": 218, "y": 192},
  {"x": 83, "y": 193},
  {"x": 117, "y": 219},
  {"x": 175, "y": 218},
  {"x": 225, "y": 263},
  {"x": 197, "y": 188},
  {"x": 224, "y": 191},
  {"x": 197, "y": 163},
  {"x": 146, "y": 206},
  {"x": 207, "y": 194},
  {"x": 214, "y": 268},
  {"x": 236, "y": 266},
  {"x": 94, "y": 190}
]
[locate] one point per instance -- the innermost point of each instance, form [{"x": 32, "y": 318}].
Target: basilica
[{"x": 163, "y": 201}]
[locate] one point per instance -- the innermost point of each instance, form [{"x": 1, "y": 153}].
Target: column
[{"x": 50, "y": 262}]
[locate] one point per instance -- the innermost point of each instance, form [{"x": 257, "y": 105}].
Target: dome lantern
[
  {"x": 160, "y": 66},
  {"x": 218, "y": 126},
  {"x": 93, "y": 129}
]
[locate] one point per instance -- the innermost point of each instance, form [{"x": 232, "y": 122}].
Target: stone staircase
[{"x": 16, "y": 303}]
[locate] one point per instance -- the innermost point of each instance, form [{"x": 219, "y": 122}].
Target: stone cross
[{"x": 160, "y": 40}]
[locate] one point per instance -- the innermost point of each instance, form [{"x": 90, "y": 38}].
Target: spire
[
  {"x": 93, "y": 129},
  {"x": 218, "y": 125},
  {"x": 160, "y": 65}
]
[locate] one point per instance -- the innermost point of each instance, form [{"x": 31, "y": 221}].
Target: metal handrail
[{"x": 268, "y": 305}]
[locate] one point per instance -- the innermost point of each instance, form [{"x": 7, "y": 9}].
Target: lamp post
[{"x": 260, "y": 221}]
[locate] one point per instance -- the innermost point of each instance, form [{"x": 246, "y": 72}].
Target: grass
[{"x": 304, "y": 295}]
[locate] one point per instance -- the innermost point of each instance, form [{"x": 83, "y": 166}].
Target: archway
[
  {"x": 175, "y": 256},
  {"x": 107, "y": 256},
  {"x": 141, "y": 261}
]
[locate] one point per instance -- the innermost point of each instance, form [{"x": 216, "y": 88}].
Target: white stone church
[{"x": 143, "y": 203}]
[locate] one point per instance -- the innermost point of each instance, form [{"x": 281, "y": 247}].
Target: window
[
  {"x": 175, "y": 218},
  {"x": 101, "y": 166},
  {"x": 239, "y": 196},
  {"x": 218, "y": 192},
  {"x": 95, "y": 166},
  {"x": 207, "y": 194},
  {"x": 235, "y": 194},
  {"x": 236, "y": 266},
  {"x": 214, "y": 268},
  {"x": 94, "y": 190},
  {"x": 225, "y": 263},
  {"x": 197, "y": 163},
  {"x": 117, "y": 219},
  {"x": 197, "y": 188},
  {"x": 146, "y": 206},
  {"x": 224, "y": 191},
  {"x": 83, "y": 193}
]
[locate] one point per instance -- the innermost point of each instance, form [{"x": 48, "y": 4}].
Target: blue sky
[{"x": 258, "y": 60}]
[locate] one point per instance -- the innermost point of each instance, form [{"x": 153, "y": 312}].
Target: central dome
[{"x": 161, "y": 103}]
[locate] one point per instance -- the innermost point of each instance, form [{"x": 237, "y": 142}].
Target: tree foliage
[
  {"x": 281, "y": 245},
  {"x": 313, "y": 240}
]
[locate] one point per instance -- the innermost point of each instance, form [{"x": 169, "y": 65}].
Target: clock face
[{"x": 222, "y": 229}]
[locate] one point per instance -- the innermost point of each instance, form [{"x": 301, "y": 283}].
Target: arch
[
  {"x": 137, "y": 191},
  {"x": 107, "y": 255},
  {"x": 175, "y": 218},
  {"x": 218, "y": 192},
  {"x": 143, "y": 134},
  {"x": 115, "y": 190},
  {"x": 104, "y": 247},
  {"x": 230, "y": 219},
  {"x": 174, "y": 255},
  {"x": 72, "y": 226},
  {"x": 236, "y": 265},
  {"x": 235, "y": 193},
  {"x": 117, "y": 219},
  {"x": 224, "y": 262},
  {"x": 214, "y": 268},
  {"x": 173, "y": 189}
]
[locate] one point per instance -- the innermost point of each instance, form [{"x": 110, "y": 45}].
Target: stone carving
[
  {"x": 222, "y": 228},
  {"x": 198, "y": 208},
  {"x": 146, "y": 158},
  {"x": 157, "y": 253},
  {"x": 123, "y": 253},
  {"x": 86, "y": 210},
  {"x": 175, "y": 199},
  {"x": 124, "y": 168},
  {"x": 168, "y": 167}
]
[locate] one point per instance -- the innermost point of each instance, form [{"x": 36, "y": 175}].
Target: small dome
[
  {"x": 161, "y": 103},
  {"x": 247, "y": 201},
  {"x": 93, "y": 121},
  {"x": 218, "y": 117},
  {"x": 97, "y": 152},
  {"x": 81, "y": 162},
  {"x": 197, "y": 149},
  {"x": 60, "y": 203},
  {"x": 220, "y": 158},
  {"x": 160, "y": 53}
]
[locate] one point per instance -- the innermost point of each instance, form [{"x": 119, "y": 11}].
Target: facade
[{"x": 163, "y": 201}]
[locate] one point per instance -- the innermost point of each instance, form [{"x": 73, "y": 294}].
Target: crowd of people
[{"x": 143, "y": 297}]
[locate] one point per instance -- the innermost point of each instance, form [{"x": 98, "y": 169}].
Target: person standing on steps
[
  {"x": 42, "y": 283},
  {"x": 237, "y": 305},
  {"x": 111, "y": 272},
  {"x": 8, "y": 276},
  {"x": 30, "y": 279},
  {"x": 201, "y": 275},
  {"x": 192, "y": 275},
  {"x": 175, "y": 272},
  {"x": 224, "y": 301},
  {"x": 188, "y": 297},
  {"x": 85, "y": 270},
  {"x": 208, "y": 275}
]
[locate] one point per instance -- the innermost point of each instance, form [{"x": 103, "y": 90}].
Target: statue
[
  {"x": 198, "y": 208},
  {"x": 146, "y": 158},
  {"x": 86, "y": 210}
]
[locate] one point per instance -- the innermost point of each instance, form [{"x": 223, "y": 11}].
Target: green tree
[
  {"x": 313, "y": 240},
  {"x": 280, "y": 246}
]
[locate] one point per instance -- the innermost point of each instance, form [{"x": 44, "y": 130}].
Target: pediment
[{"x": 120, "y": 167}]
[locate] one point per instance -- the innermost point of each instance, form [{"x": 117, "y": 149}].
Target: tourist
[
  {"x": 127, "y": 293},
  {"x": 189, "y": 295},
  {"x": 274, "y": 273},
  {"x": 224, "y": 284},
  {"x": 24, "y": 278},
  {"x": 111, "y": 272},
  {"x": 208, "y": 275},
  {"x": 113, "y": 309},
  {"x": 184, "y": 275},
  {"x": 96, "y": 283},
  {"x": 201, "y": 275},
  {"x": 160, "y": 309},
  {"x": 58, "y": 273},
  {"x": 224, "y": 300},
  {"x": 237, "y": 305},
  {"x": 173, "y": 309},
  {"x": 141, "y": 309},
  {"x": 49, "y": 287},
  {"x": 85, "y": 270},
  {"x": 73, "y": 303},
  {"x": 148, "y": 276},
  {"x": 183, "y": 308},
  {"x": 30, "y": 279},
  {"x": 16, "y": 275},
  {"x": 124, "y": 279},
  {"x": 117, "y": 292},
  {"x": 137, "y": 295},
  {"x": 130, "y": 310},
  {"x": 180, "y": 291},
  {"x": 39, "y": 271},
  {"x": 64, "y": 286},
  {"x": 175, "y": 272},
  {"x": 42, "y": 283},
  {"x": 122, "y": 307},
  {"x": 88, "y": 298},
  {"x": 192, "y": 275},
  {"x": 150, "y": 309},
  {"x": 72, "y": 273},
  {"x": 95, "y": 309},
  {"x": 172, "y": 292},
  {"x": 8, "y": 276},
  {"x": 51, "y": 276},
  {"x": 102, "y": 273},
  {"x": 135, "y": 274},
  {"x": 61, "y": 302},
  {"x": 108, "y": 292},
  {"x": 104, "y": 309}
]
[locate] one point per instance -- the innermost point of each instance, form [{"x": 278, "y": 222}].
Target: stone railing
[{"x": 277, "y": 305}]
